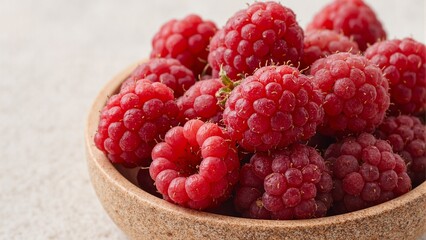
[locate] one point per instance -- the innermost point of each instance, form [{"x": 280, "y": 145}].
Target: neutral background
[{"x": 55, "y": 55}]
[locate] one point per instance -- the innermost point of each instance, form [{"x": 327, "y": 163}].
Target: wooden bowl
[{"x": 143, "y": 216}]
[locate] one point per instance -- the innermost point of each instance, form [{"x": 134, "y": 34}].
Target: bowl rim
[{"x": 122, "y": 183}]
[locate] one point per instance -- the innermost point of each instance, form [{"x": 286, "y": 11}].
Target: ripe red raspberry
[
  {"x": 265, "y": 32},
  {"x": 404, "y": 65},
  {"x": 200, "y": 102},
  {"x": 356, "y": 93},
  {"x": 274, "y": 108},
  {"x": 353, "y": 18},
  {"x": 186, "y": 40},
  {"x": 293, "y": 183},
  {"x": 196, "y": 166},
  {"x": 133, "y": 120},
  {"x": 167, "y": 71},
  {"x": 321, "y": 43},
  {"x": 407, "y": 136},
  {"x": 366, "y": 172}
]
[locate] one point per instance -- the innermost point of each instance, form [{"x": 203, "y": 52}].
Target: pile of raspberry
[
  {"x": 260, "y": 119},
  {"x": 366, "y": 172},
  {"x": 407, "y": 136}
]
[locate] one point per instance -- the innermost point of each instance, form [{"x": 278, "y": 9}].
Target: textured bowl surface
[{"x": 144, "y": 216}]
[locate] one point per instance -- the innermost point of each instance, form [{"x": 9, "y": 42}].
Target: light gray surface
[{"x": 55, "y": 55}]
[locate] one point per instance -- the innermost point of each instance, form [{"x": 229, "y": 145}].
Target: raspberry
[
  {"x": 185, "y": 40},
  {"x": 265, "y": 32},
  {"x": 293, "y": 183},
  {"x": 353, "y": 18},
  {"x": 407, "y": 136},
  {"x": 321, "y": 43},
  {"x": 356, "y": 93},
  {"x": 404, "y": 65},
  {"x": 200, "y": 102},
  {"x": 167, "y": 71},
  {"x": 274, "y": 108},
  {"x": 366, "y": 172},
  {"x": 133, "y": 120},
  {"x": 196, "y": 166}
]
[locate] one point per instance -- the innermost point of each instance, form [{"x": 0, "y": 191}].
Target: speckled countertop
[{"x": 55, "y": 55}]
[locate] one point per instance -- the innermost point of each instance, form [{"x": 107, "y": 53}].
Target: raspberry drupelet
[
  {"x": 186, "y": 40},
  {"x": 366, "y": 172},
  {"x": 264, "y": 33},
  {"x": 321, "y": 43},
  {"x": 273, "y": 108},
  {"x": 404, "y": 65},
  {"x": 167, "y": 71},
  {"x": 353, "y": 18},
  {"x": 133, "y": 120},
  {"x": 200, "y": 101},
  {"x": 407, "y": 136},
  {"x": 293, "y": 183},
  {"x": 356, "y": 94},
  {"x": 196, "y": 166}
]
